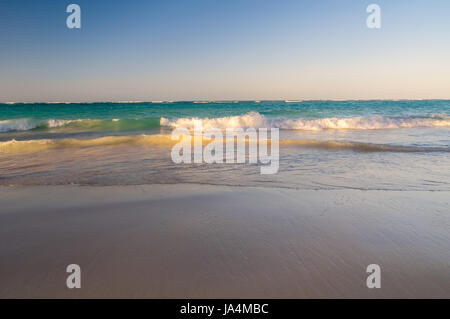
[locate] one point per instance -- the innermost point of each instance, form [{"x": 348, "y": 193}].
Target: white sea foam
[
  {"x": 256, "y": 120},
  {"x": 16, "y": 125},
  {"x": 58, "y": 123},
  {"x": 25, "y": 124},
  {"x": 252, "y": 119}
]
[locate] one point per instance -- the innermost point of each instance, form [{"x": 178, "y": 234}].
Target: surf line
[{"x": 234, "y": 145}]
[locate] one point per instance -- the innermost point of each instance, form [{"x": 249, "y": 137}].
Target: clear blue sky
[{"x": 223, "y": 49}]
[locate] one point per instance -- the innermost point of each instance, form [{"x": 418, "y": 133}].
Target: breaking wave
[
  {"x": 25, "y": 124},
  {"x": 249, "y": 120},
  {"x": 165, "y": 140},
  {"x": 29, "y": 146},
  {"x": 256, "y": 120}
]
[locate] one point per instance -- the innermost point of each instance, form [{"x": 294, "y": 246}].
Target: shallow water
[{"x": 393, "y": 145}]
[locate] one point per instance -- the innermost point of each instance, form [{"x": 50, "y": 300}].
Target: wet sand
[{"x": 200, "y": 241}]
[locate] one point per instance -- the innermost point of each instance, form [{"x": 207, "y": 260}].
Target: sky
[{"x": 145, "y": 50}]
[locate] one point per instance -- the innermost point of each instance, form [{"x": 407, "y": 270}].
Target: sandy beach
[
  {"x": 225, "y": 150},
  {"x": 201, "y": 241}
]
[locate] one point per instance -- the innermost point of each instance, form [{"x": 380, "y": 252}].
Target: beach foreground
[{"x": 201, "y": 241}]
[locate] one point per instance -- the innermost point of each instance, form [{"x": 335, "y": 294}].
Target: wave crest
[
  {"x": 165, "y": 140},
  {"x": 25, "y": 124},
  {"x": 29, "y": 146},
  {"x": 249, "y": 120},
  {"x": 256, "y": 120}
]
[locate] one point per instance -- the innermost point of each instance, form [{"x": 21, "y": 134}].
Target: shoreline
[
  {"x": 205, "y": 241},
  {"x": 336, "y": 188}
]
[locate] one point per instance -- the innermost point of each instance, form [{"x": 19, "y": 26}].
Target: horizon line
[{"x": 223, "y": 101}]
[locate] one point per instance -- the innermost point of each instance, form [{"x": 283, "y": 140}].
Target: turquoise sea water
[
  {"x": 399, "y": 145},
  {"x": 147, "y": 115}
]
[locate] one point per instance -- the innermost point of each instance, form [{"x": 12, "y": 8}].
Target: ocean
[{"x": 369, "y": 145}]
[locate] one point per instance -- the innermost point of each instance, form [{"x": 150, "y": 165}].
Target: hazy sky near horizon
[{"x": 223, "y": 49}]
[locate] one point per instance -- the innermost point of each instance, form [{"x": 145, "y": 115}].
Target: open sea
[{"x": 376, "y": 145}]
